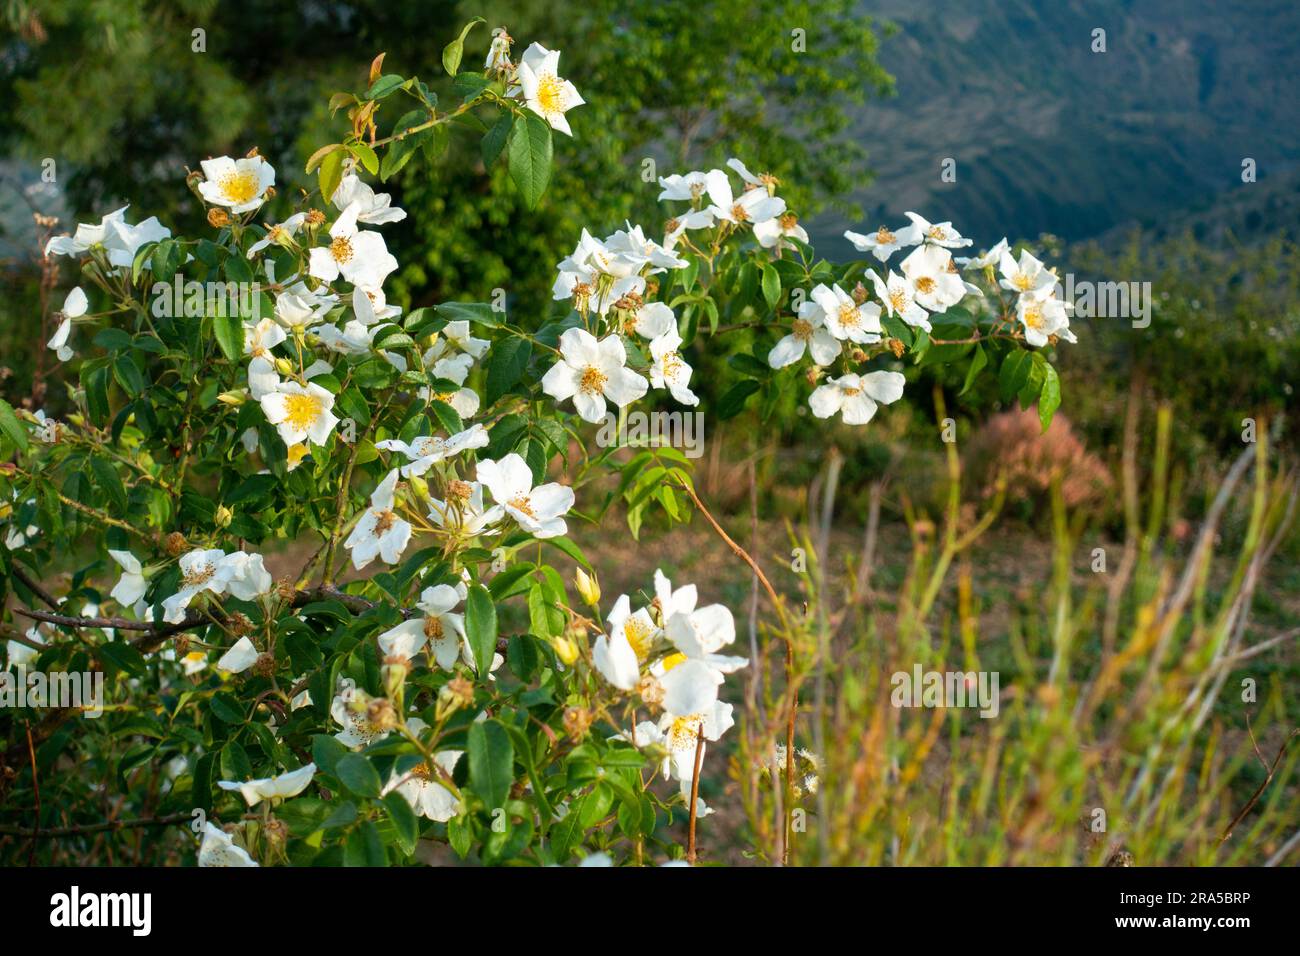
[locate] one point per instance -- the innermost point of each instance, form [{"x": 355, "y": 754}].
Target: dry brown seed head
[{"x": 577, "y": 721}]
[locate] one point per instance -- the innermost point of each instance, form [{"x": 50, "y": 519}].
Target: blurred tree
[{"x": 118, "y": 93}]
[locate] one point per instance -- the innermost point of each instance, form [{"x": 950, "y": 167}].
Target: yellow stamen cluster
[
  {"x": 301, "y": 410},
  {"x": 341, "y": 249},
  {"x": 593, "y": 380},
  {"x": 522, "y": 504},
  {"x": 638, "y": 635},
  {"x": 550, "y": 93},
  {"x": 239, "y": 187}
]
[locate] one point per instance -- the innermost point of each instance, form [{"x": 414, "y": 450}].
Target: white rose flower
[
  {"x": 590, "y": 371},
  {"x": 300, "y": 412},
  {"x": 856, "y": 396},
  {"x": 238, "y": 184},
  {"x": 544, "y": 91},
  {"x": 379, "y": 533},
  {"x": 539, "y": 510},
  {"x": 808, "y": 333}
]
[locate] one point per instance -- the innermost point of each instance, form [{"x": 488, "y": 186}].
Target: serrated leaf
[
  {"x": 110, "y": 483},
  {"x": 11, "y": 426},
  {"x": 771, "y": 285},
  {"x": 405, "y": 824},
  {"x": 479, "y": 312},
  {"x": 386, "y": 84},
  {"x": 481, "y": 627},
  {"x": 359, "y": 775},
  {"x": 229, "y": 332},
  {"x": 529, "y": 157},
  {"x": 317, "y": 157},
  {"x": 491, "y": 762},
  {"x": 505, "y": 366},
  {"x": 1014, "y": 373},
  {"x": 733, "y": 401},
  {"x": 495, "y": 139}
]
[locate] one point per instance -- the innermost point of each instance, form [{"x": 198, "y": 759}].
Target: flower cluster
[
  {"x": 113, "y": 244},
  {"x": 535, "y": 80},
  {"x": 609, "y": 282},
  {"x": 399, "y": 445},
  {"x": 668, "y": 653}
]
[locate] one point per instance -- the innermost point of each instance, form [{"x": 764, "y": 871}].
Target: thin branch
[
  {"x": 1254, "y": 798},
  {"x": 789, "y": 645},
  {"x": 34, "y": 586},
  {"x": 80, "y": 829},
  {"x": 695, "y": 793},
  {"x": 36, "y": 789}
]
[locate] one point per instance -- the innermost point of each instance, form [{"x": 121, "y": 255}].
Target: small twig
[
  {"x": 695, "y": 793},
  {"x": 739, "y": 551},
  {"x": 789, "y": 646},
  {"x": 80, "y": 829},
  {"x": 34, "y": 586},
  {"x": 1254, "y": 798},
  {"x": 36, "y": 789},
  {"x": 155, "y": 634}
]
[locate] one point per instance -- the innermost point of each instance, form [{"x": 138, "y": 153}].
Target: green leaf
[
  {"x": 96, "y": 394},
  {"x": 529, "y": 156},
  {"x": 1014, "y": 373},
  {"x": 771, "y": 285},
  {"x": 491, "y": 762},
  {"x": 505, "y": 366},
  {"x": 235, "y": 764},
  {"x": 1034, "y": 382},
  {"x": 110, "y": 482},
  {"x": 365, "y": 847},
  {"x": 125, "y": 658},
  {"x": 331, "y": 174},
  {"x": 386, "y": 84},
  {"x": 1049, "y": 399},
  {"x": 230, "y": 335},
  {"x": 226, "y": 709},
  {"x": 977, "y": 364},
  {"x": 460, "y": 836},
  {"x": 479, "y": 312},
  {"x": 733, "y": 401},
  {"x": 11, "y": 426},
  {"x": 326, "y": 751},
  {"x": 166, "y": 259},
  {"x": 455, "y": 50},
  {"x": 366, "y": 156},
  {"x": 495, "y": 139},
  {"x": 398, "y": 155},
  {"x": 568, "y": 831},
  {"x": 128, "y": 375},
  {"x": 481, "y": 627},
  {"x": 358, "y": 775},
  {"x": 405, "y": 823}
]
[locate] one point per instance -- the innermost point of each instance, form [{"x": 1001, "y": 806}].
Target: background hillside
[{"x": 1055, "y": 138}]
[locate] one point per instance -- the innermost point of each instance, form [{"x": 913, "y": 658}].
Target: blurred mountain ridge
[{"x": 1049, "y": 136}]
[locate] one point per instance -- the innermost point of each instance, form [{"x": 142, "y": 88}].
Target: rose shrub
[{"x": 426, "y": 674}]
